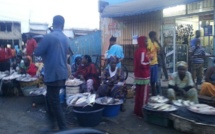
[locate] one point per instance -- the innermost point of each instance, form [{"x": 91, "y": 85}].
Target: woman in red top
[
  {"x": 88, "y": 72},
  {"x": 5, "y": 55},
  {"x": 142, "y": 75}
]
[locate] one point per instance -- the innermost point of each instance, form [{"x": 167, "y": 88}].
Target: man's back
[{"x": 53, "y": 50}]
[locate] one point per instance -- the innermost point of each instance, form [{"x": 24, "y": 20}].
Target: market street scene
[{"x": 107, "y": 67}]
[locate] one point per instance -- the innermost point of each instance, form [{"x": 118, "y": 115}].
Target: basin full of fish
[
  {"x": 12, "y": 76},
  {"x": 202, "y": 109},
  {"x": 108, "y": 101},
  {"x": 158, "y": 99},
  {"x": 81, "y": 99},
  {"x": 26, "y": 78},
  {"x": 161, "y": 107},
  {"x": 182, "y": 103}
]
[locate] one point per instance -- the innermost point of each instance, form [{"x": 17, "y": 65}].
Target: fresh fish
[
  {"x": 73, "y": 100},
  {"x": 163, "y": 107},
  {"x": 80, "y": 101},
  {"x": 91, "y": 98},
  {"x": 110, "y": 100}
]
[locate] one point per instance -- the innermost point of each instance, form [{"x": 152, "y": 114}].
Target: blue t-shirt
[
  {"x": 193, "y": 42},
  {"x": 53, "y": 49},
  {"x": 116, "y": 50}
]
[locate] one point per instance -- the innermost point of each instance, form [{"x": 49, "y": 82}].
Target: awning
[{"x": 135, "y": 7}]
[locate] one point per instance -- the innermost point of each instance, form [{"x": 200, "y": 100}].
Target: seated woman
[
  {"x": 208, "y": 87},
  {"x": 112, "y": 82},
  {"x": 181, "y": 82},
  {"x": 28, "y": 68},
  {"x": 88, "y": 72}
]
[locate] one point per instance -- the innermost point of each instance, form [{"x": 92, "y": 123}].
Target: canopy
[{"x": 134, "y": 7}]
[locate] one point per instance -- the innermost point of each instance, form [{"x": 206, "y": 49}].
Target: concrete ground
[{"x": 17, "y": 116}]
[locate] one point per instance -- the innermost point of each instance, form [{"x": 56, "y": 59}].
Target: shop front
[{"x": 179, "y": 26}]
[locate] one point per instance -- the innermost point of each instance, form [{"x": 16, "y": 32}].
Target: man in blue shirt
[
  {"x": 53, "y": 49},
  {"x": 193, "y": 41},
  {"x": 115, "y": 50}
]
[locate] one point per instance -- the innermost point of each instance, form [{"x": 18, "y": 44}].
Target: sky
[{"x": 77, "y": 13}]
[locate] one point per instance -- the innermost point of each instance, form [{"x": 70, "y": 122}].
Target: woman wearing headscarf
[
  {"x": 142, "y": 75},
  {"x": 88, "y": 72},
  {"x": 181, "y": 83}
]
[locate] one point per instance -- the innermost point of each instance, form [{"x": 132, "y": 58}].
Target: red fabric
[
  {"x": 141, "y": 99},
  {"x": 89, "y": 72},
  {"x": 31, "y": 45},
  {"x": 141, "y": 71},
  {"x": 32, "y": 70},
  {"x": 5, "y": 54}
]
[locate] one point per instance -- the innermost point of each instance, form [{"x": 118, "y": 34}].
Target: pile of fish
[
  {"x": 2, "y": 75},
  {"x": 161, "y": 107},
  {"x": 26, "y": 78},
  {"x": 158, "y": 99},
  {"x": 81, "y": 99},
  {"x": 73, "y": 82},
  {"x": 12, "y": 76},
  {"x": 182, "y": 103},
  {"x": 108, "y": 101},
  {"x": 202, "y": 109},
  {"x": 38, "y": 91}
]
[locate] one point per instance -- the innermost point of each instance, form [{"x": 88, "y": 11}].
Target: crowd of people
[{"x": 149, "y": 60}]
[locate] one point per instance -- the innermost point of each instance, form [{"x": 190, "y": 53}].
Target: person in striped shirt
[{"x": 197, "y": 61}]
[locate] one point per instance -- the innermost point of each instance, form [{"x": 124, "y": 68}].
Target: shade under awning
[{"x": 135, "y": 7}]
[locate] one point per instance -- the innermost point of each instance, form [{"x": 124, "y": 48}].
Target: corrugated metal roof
[{"x": 135, "y": 7}]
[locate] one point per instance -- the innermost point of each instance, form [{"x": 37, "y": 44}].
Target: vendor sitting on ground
[
  {"x": 208, "y": 87},
  {"x": 112, "y": 82},
  {"x": 181, "y": 83},
  {"x": 28, "y": 68},
  {"x": 87, "y": 72}
]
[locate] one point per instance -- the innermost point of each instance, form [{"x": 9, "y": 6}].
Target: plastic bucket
[
  {"x": 88, "y": 116},
  {"x": 72, "y": 89},
  {"x": 111, "y": 110}
]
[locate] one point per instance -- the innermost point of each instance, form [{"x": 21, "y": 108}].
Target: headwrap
[
  {"x": 113, "y": 58},
  {"x": 182, "y": 63},
  {"x": 142, "y": 41}
]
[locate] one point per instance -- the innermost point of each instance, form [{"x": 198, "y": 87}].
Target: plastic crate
[{"x": 157, "y": 117}]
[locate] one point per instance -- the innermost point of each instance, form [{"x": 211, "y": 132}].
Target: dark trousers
[
  {"x": 5, "y": 65},
  {"x": 54, "y": 108},
  {"x": 154, "y": 79}
]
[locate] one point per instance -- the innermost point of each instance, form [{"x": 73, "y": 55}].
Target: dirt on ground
[{"x": 17, "y": 116}]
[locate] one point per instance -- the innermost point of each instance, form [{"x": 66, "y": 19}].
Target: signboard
[{"x": 208, "y": 30}]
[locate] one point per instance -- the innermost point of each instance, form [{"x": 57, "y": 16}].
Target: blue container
[
  {"x": 88, "y": 116},
  {"x": 62, "y": 95},
  {"x": 111, "y": 110}
]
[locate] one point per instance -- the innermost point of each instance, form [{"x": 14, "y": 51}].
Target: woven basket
[{"x": 28, "y": 84}]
